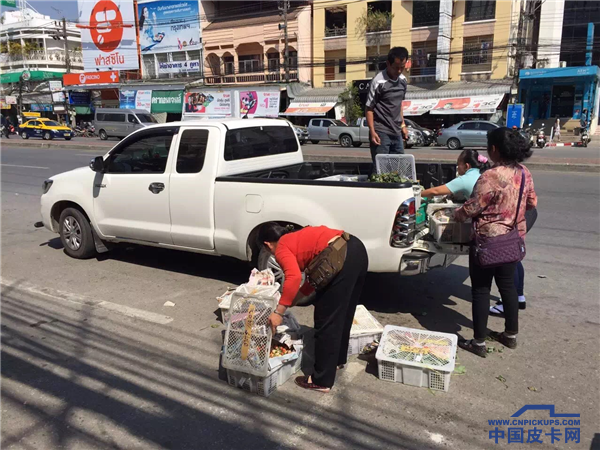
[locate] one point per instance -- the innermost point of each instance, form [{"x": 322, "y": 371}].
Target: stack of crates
[
  {"x": 417, "y": 357},
  {"x": 365, "y": 329},
  {"x": 248, "y": 344}
]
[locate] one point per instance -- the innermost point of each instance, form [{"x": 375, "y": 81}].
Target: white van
[{"x": 120, "y": 122}]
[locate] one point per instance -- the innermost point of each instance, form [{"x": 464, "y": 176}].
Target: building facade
[{"x": 244, "y": 42}]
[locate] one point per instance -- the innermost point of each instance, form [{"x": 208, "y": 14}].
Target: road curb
[{"x": 558, "y": 167}]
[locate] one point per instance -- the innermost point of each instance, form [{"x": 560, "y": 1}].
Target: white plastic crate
[
  {"x": 450, "y": 232},
  {"x": 264, "y": 386},
  {"x": 365, "y": 329},
  {"x": 403, "y": 165},
  {"x": 248, "y": 335},
  {"x": 268, "y": 291},
  {"x": 416, "y": 357}
]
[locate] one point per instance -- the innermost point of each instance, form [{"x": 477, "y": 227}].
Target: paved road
[{"x": 80, "y": 371}]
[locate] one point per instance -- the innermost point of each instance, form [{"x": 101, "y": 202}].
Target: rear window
[
  {"x": 254, "y": 142},
  {"x": 146, "y": 118}
]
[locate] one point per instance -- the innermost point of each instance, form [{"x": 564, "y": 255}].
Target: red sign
[
  {"x": 106, "y": 26},
  {"x": 71, "y": 79}
]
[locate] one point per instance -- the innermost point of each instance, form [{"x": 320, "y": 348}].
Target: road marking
[
  {"x": 83, "y": 301},
  {"x": 325, "y": 402},
  {"x": 25, "y": 167}
]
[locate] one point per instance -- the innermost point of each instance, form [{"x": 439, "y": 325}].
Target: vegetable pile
[{"x": 392, "y": 177}]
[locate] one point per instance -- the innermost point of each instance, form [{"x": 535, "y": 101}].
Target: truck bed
[{"x": 311, "y": 173}]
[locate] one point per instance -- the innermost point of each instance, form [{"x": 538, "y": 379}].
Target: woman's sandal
[
  {"x": 305, "y": 384},
  {"x": 341, "y": 366},
  {"x": 510, "y": 342},
  {"x": 468, "y": 345}
]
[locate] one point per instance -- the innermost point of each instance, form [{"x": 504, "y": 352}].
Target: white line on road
[
  {"x": 80, "y": 300},
  {"x": 25, "y": 167}
]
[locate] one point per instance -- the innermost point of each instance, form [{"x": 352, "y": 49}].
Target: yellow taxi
[{"x": 45, "y": 128}]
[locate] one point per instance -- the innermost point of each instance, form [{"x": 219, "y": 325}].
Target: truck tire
[
  {"x": 314, "y": 142},
  {"x": 346, "y": 141},
  {"x": 76, "y": 234},
  {"x": 453, "y": 144},
  {"x": 357, "y": 144},
  {"x": 103, "y": 135},
  {"x": 266, "y": 260}
]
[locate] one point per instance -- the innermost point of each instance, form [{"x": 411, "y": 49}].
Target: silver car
[{"x": 472, "y": 133}]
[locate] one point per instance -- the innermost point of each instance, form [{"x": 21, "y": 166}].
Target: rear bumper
[{"x": 417, "y": 262}]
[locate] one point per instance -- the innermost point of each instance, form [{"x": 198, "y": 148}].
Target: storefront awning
[
  {"x": 475, "y": 104},
  {"x": 308, "y": 109},
  {"x": 36, "y": 75},
  {"x": 560, "y": 72}
]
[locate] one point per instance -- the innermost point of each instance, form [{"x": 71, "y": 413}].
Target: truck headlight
[{"x": 46, "y": 186}]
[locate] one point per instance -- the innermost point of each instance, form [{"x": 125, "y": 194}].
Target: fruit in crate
[{"x": 279, "y": 350}]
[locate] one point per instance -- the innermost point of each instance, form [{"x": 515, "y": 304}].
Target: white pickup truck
[{"x": 208, "y": 186}]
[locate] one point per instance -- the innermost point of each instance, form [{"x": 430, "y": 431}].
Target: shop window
[
  {"x": 477, "y": 54},
  {"x": 426, "y": 14},
  {"x": 480, "y": 10},
  {"x": 424, "y": 56},
  {"x": 335, "y": 22}
]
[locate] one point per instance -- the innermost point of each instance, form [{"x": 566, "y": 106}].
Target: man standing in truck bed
[{"x": 384, "y": 106}]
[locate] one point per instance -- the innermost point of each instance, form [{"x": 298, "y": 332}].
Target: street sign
[
  {"x": 514, "y": 115},
  {"x": 78, "y": 79},
  {"x": 55, "y": 85}
]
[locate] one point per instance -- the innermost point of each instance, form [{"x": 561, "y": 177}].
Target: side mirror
[{"x": 97, "y": 164}]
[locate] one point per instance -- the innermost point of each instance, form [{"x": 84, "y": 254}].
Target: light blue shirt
[{"x": 463, "y": 185}]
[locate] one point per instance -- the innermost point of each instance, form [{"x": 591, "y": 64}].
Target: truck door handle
[{"x": 155, "y": 188}]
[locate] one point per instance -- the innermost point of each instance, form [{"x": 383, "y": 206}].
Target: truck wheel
[
  {"x": 346, "y": 141},
  {"x": 314, "y": 142},
  {"x": 357, "y": 144},
  {"x": 453, "y": 144},
  {"x": 103, "y": 135},
  {"x": 76, "y": 234}
]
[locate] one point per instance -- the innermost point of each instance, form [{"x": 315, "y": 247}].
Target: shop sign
[
  {"x": 477, "y": 104},
  {"x": 167, "y": 101},
  {"x": 79, "y": 98},
  {"x": 168, "y": 26},
  {"x": 189, "y": 66},
  {"x": 308, "y": 108},
  {"x": 417, "y": 107},
  {"x": 210, "y": 103},
  {"x": 78, "y": 79},
  {"x": 41, "y": 107},
  {"x": 108, "y": 34},
  {"x": 58, "y": 97},
  {"x": 55, "y": 85}
]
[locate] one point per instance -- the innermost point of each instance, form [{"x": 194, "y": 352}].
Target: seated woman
[{"x": 470, "y": 166}]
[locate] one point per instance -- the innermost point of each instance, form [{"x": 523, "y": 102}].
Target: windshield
[
  {"x": 146, "y": 118},
  {"x": 51, "y": 123}
]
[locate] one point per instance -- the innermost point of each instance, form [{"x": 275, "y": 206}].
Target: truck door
[
  {"x": 192, "y": 188},
  {"x": 131, "y": 197}
]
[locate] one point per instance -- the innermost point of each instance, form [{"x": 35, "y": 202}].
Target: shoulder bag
[
  {"x": 327, "y": 264},
  {"x": 505, "y": 249}
]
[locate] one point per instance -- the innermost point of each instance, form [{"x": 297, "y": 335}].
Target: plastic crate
[
  {"x": 450, "y": 232},
  {"x": 264, "y": 386},
  {"x": 352, "y": 178},
  {"x": 248, "y": 335},
  {"x": 417, "y": 357},
  {"x": 403, "y": 165},
  {"x": 365, "y": 329}
]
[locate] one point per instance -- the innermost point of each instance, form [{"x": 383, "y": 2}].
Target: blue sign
[
  {"x": 79, "y": 98},
  {"x": 560, "y": 72},
  {"x": 41, "y": 107},
  {"x": 514, "y": 115},
  {"x": 127, "y": 99},
  {"x": 526, "y": 431}
]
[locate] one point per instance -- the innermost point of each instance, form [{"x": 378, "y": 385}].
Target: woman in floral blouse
[{"x": 493, "y": 207}]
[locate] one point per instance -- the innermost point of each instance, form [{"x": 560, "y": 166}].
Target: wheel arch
[
  {"x": 60, "y": 206},
  {"x": 252, "y": 246}
]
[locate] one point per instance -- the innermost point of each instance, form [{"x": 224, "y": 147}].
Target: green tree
[
  {"x": 374, "y": 22},
  {"x": 14, "y": 49},
  {"x": 351, "y": 101},
  {"x": 30, "y": 47}
]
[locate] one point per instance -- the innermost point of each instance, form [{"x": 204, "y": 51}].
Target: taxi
[{"x": 45, "y": 128}]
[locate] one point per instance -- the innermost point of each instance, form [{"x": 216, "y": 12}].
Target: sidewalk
[{"x": 562, "y": 159}]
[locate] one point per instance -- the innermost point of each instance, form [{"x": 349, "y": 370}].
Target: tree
[
  {"x": 14, "y": 49},
  {"x": 3, "y": 47},
  {"x": 374, "y": 22},
  {"x": 30, "y": 47},
  {"x": 351, "y": 101}
]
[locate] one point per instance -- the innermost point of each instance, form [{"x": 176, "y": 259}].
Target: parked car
[
  {"x": 428, "y": 135},
  {"x": 317, "y": 128},
  {"x": 358, "y": 134},
  {"x": 471, "y": 133},
  {"x": 302, "y": 134},
  {"x": 208, "y": 186},
  {"x": 46, "y": 129},
  {"x": 120, "y": 122}
]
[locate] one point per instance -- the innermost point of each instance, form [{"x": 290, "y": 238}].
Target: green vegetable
[
  {"x": 392, "y": 177},
  {"x": 460, "y": 370}
]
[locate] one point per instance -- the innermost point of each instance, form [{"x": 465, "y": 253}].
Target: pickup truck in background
[
  {"x": 208, "y": 186},
  {"x": 317, "y": 128},
  {"x": 358, "y": 134}
]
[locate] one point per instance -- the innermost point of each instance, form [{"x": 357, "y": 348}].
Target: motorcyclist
[
  {"x": 583, "y": 123},
  {"x": 5, "y": 130}
]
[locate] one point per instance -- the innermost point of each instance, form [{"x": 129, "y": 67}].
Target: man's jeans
[{"x": 389, "y": 145}]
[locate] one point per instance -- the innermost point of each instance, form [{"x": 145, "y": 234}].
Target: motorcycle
[
  {"x": 585, "y": 137},
  {"x": 541, "y": 138}
]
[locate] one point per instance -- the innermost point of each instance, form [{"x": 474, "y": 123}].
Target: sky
[{"x": 66, "y": 8}]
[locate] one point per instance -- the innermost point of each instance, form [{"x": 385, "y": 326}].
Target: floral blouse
[{"x": 493, "y": 203}]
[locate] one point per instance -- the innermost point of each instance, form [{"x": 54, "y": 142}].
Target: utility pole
[
  {"x": 514, "y": 90},
  {"x": 65, "y": 37},
  {"x": 286, "y": 64}
]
